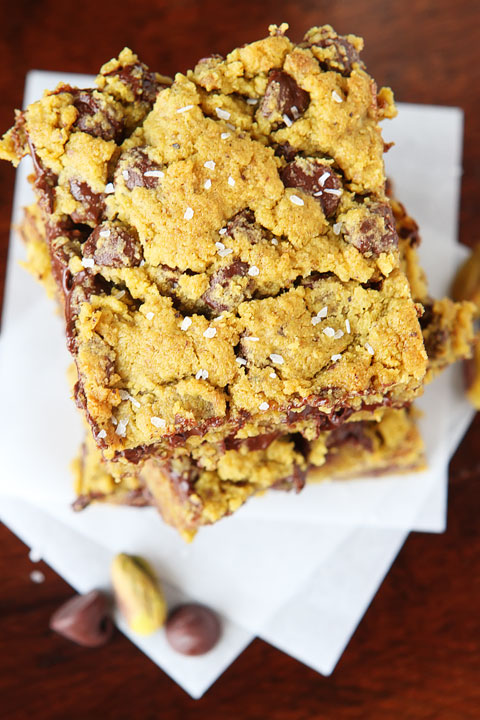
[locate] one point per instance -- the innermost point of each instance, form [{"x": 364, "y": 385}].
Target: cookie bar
[{"x": 227, "y": 259}]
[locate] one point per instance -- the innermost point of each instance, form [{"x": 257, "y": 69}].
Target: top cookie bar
[{"x": 227, "y": 258}]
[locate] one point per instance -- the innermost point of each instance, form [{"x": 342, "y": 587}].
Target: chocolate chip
[
  {"x": 341, "y": 55},
  {"x": 192, "y": 629},
  {"x": 93, "y": 204},
  {"x": 84, "y": 619},
  {"x": 222, "y": 294},
  {"x": 133, "y": 165},
  {"x": 96, "y": 116},
  {"x": 286, "y": 151},
  {"x": 45, "y": 180},
  {"x": 283, "y": 96},
  {"x": 78, "y": 289},
  {"x": 295, "y": 481},
  {"x": 316, "y": 179},
  {"x": 143, "y": 83},
  {"x": 256, "y": 442},
  {"x": 376, "y": 233},
  {"x": 114, "y": 246}
]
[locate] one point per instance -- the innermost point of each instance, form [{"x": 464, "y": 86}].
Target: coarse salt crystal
[
  {"x": 253, "y": 271},
  {"x": 337, "y": 228},
  {"x": 225, "y": 252},
  {"x": 252, "y": 101},
  {"x": 224, "y": 136},
  {"x": 241, "y": 361},
  {"x": 319, "y": 193},
  {"x": 184, "y": 108},
  {"x": 273, "y": 375},
  {"x": 274, "y": 241},
  {"x": 186, "y": 322},
  {"x": 334, "y": 191},
  {"x": 222, "y": 231},
  {"x": 263, "y": 406},
  {"x": 210, "y": 332},
  {"x": 134, "y": 401},
  {"x": 109, "y": 188},
  {"x": 158, "y": 422},
  {"x": 154, "y": 173},
  {"x": 323, "y": 178},
  {"x": 37, "y": 576},
  {"x": 369, "y": 348},
  {"x": 188, "y": 214},
  {"x": 277, "y": 359},
  {"x": 222, "y": 114},
  {"x": 201, "y": 375},
  {"x": 295, "y": 112},
  {"x": 347, "y": 325},
  {"x": 102, "y": 434},
  {"x": 329, "y": 332},
  {"x": 104, "y": 233},
  {"x": 114, "y": 420},
  {"x": 122, "y": 427},
  {"x": 336, "y": 96},
  {"x": 296, "y": 200},
  {"x": 210, "y": 164},
  {"x": 124, "y": 394},
  {"x": 231, "y": 181},
  {"x": 252, "y": 338},
  {"x": 150, "y": 315},
  {"x": 88, "y": 262},
  {"x": 125, "y": 174},
  {"x": 219, "y": 246},
  {"x": 287, "y": 120},
  {"x": 207, "y": 184},
  {"x": 338, "y": 334},
  {"x": 334, "y": 358}
]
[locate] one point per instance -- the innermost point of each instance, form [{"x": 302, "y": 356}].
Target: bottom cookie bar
[{"x": 188, "y": 496}]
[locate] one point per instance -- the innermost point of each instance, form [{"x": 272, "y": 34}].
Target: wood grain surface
[{"x": 416, "y": 653}]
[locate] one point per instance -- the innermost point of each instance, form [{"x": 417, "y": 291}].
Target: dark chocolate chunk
[
  {"x": 182, "y": 473},
  {"x": 342, "y": 56},
  {"x": 350, "y": 433},
  {"x": 143, "y": 83},
  {"x": 84, "y": 619},
  {"x": 316, "y": 179},
  {"x": 114, "y": 246},
  {"x": 286, "y": 151},
  {"x": 93, "y": 203},
  {"x": 256, "y": 442},
  {"x": 283, "y": 96},
  {"x": 376, "y": 233},
  {"x": 45, "y": 181},
  {"x": 295, "y": 481},
  {"x": 222, "y": 293},
  {"x": 78, "y": 289},
  {"x": 192, "y": 629},
  {"x": 134, "y": 164},
  {"x": 96, "y": 116}
]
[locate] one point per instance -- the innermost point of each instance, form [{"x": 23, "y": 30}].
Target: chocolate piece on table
[
  {"x": 84, "y": 619},
  {"x": 193, "y": 629}
]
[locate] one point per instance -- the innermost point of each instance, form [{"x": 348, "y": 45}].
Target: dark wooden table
[{"x": 416, "y": 654}]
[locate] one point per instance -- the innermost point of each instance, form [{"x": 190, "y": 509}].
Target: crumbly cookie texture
[{"x": 228, "y": 255}]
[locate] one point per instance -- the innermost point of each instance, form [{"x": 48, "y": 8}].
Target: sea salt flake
[
  {"x": 329, "y": 332},
  {"x": 322, "y": 180},
  {"x": 252, "y": 338},
  {"x": 273, "y": 375},
  {"x": 202, "y": 375},
  {"x": 334, "y": 358},
  {"x": 241, "y": 361},
  {"x": 109, "y": 189},
  {"x": 104, "y": 233},
  {"x": 220, "y": 246},
  {"x": 185, "y": 108},
  {"x": 225, "y": 252},
  {"x": 369, "y": 348},
  {"x": 222, "y": 114},
  {"x": 231, "y": 181},
  {"x": 222, "y": 231},
  {"x": 125, "y": 174},
  {"x": 124, "y": 394},
  {"x": 225, "y": 135},
  {"x": 88, "y": 262},
  {"x": 287, "y": 120},
  {"x": 150, "y": 315},
  {"x": 134, "y": 401},
  {"x": 274, "y": 241},
  {"x": 338, "y": 334},
  {"x": 210, "y": 332},
  {"x": 319, "y": 193},
  {"x": 154, "y": 173},
  {"x": 347, "y": 325},
  {"x": 102, "y": 434},
  {"x": 37, "y": 576},
  {"x": 207, "y": 184},
  {"x": 295, "y": 112},
  {"x": 186, "y": 322},
  {"x": 252, "y": 101},
  {"x": 253, "y": 271},
  {"x": 158, "y": 422},
  {"x": 277, "y": 359},
  {"x": 188, "y": 214},
  {"x": 122, "y": 427},
  {"x": 296, "y": 200},
  {"x": 210, "y": 164},
  {"x": 337, "y": 228},
  {"x": 263, "y": 406},
  {"x": 334, "y": 191},
  {"x": 336, "y": 96}
]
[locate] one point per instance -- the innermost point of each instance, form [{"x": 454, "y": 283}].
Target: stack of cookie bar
[{"x": 242, "y": 299}]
